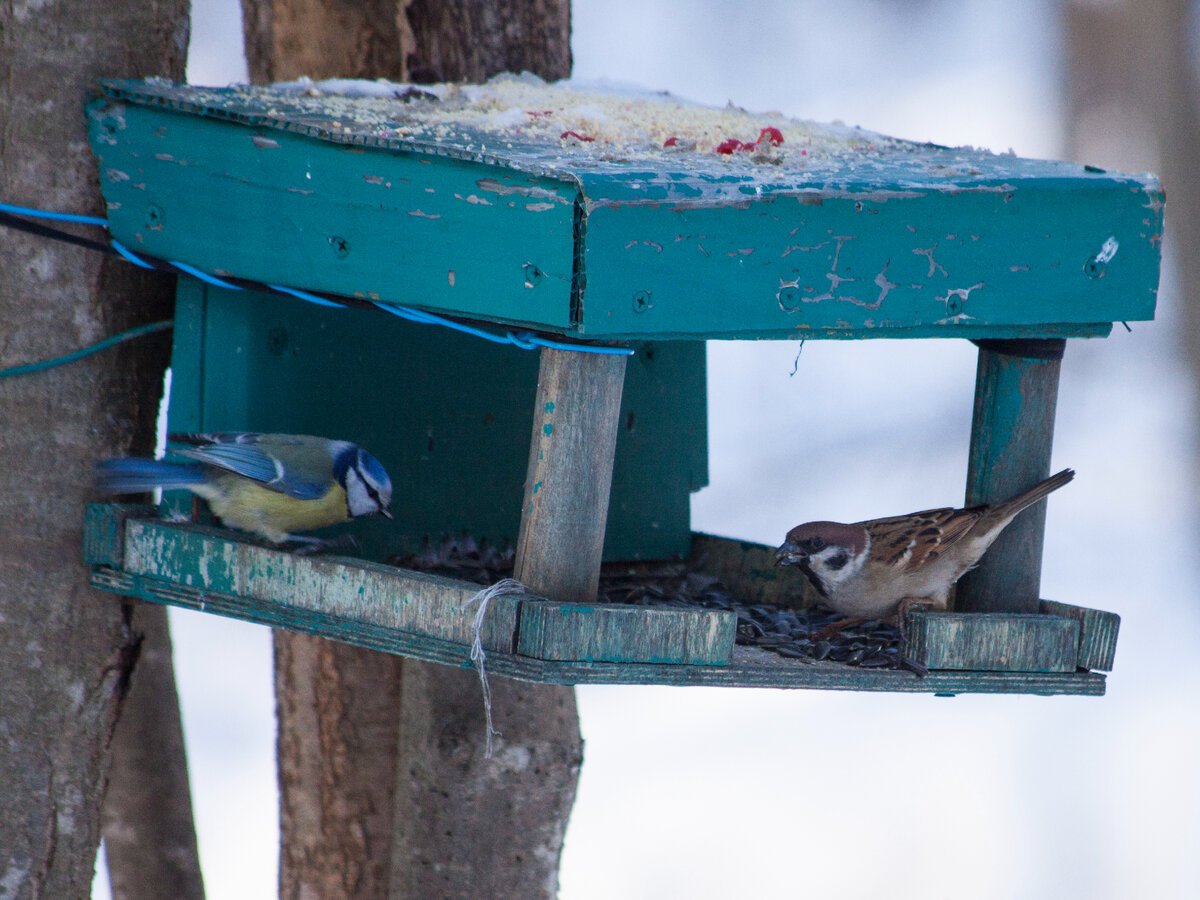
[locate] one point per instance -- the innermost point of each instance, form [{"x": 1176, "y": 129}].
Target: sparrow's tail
[
  {"x": 1010, "y": 508},
  {"x": 137, "y": 476}
]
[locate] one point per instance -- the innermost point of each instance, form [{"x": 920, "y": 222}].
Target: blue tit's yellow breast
[{"x": 245, "y": 504}]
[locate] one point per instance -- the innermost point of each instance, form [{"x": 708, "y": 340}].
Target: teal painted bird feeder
[{"x": 573, "y": 221}]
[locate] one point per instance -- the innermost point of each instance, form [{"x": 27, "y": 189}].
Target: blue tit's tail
[{"x": 139, "y": 476}]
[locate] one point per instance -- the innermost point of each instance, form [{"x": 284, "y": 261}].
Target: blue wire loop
[
  {"x": 526, "y": 340},
  {"x": 45, "y": 364},
  {"x": 53, "y": 216},
  {"x": 127, "y": 254}
]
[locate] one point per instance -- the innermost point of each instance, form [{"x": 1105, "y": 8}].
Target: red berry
[
  {"x": 732, "y": 145},
  {"x": 771, "y": 135}
]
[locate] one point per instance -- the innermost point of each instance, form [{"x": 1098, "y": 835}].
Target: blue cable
[
  {"x": 204, "y": 276},
  {"x": 55, "y": 216},
  {"x": 430, "y": 319},
  {"x": 305, "y": 295},
  {"x": 45, "y": 364},
  {"x": 526, "y": 340},
  {"x": 128, "y": 255}
]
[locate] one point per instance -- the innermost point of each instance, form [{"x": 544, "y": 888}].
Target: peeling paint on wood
[
  {"x": 749, "y": 666},
  {"x": 606, "y": 633},
  {"x": 1097, "y": 633},
  {"x": 206, "y": 561},
  {"x": 994, "y": 642},
  {"x": 1012, "y": 434},
  {"x": 200, "y": 568},
  {"x": 898, "y": 240}
]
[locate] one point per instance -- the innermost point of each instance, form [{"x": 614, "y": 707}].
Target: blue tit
[{"x": 272, "y": 485}]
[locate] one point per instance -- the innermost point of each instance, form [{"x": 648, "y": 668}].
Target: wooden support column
[
  {"x": 565, "y": 505},
  {"x": 467, "y": 825},
  {"x": 1012, "y": 432}
]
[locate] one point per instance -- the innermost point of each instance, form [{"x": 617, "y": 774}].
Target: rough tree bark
[
  {"x": 341, "y": 709},
  {"x": 149, "y": 834},
  {"x": 65, "y": 652},
  {"x": 337, "y": 710}
]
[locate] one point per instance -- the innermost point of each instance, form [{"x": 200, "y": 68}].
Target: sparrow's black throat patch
[{"x": 813, "y": 578}]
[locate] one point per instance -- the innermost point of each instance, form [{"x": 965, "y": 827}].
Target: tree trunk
[
  {"x": 1133, "y": 102},
  {"x": 336, "y": 707},
  {"x": 471, "y": 40},
  {"x": 65, "y": 651},
  {"x": 149, "y": 835},
  {"x": 467, "y": 826},
  {"x": 334, "y": 754}
]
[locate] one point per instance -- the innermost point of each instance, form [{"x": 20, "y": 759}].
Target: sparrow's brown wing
[{"x": 908, "y": 542}]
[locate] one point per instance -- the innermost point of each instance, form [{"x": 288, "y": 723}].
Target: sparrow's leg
[
  {"x": 834, "y": 628},
  {"x": 901, "y": 614},
  {"x": 901, "y": 623}
]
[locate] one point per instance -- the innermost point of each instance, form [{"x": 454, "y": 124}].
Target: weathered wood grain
[
  {"x": 878, "y": 238},
  {"x": 993, "y": 642},
  {"x": 1012, "y": 432},
  {"x": 204, "y": 559},
  {"x": 749, "y": 667},
  {"x": 565, "y": 505},
  {"x": 104, "y": 531},
  {"x": 615, "y": 633},
  {"x": 1097, "y": 633},
  {"x": 199, "y": 568}
]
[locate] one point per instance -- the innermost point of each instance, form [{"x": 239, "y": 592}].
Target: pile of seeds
[{"x": 798, "y": 634}]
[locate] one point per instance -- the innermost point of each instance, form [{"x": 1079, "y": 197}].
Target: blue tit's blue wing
[{"x": 296, "y": 465}]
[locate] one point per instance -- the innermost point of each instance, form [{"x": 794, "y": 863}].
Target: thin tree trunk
[
  {"x": 336, "y": 707},
  {"x": 337, "y": 761},
  {"x": 149, "y": 835},
  {"x": 1133, "y": 101},
  {"x": 66, "y": 652}
]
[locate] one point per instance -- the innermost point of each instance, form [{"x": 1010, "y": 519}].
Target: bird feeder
[{"x": 573, "y": 221}]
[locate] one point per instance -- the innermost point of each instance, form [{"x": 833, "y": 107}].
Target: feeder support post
[
  {"x": 1012, "y": 432},
  {"x": 565, "y": 504}
]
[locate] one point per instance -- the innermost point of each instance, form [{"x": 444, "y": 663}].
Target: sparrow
[{"x": 879, "y": 568}]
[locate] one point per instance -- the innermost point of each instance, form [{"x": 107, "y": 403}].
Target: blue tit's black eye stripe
[{"x": 372, "y": 492}]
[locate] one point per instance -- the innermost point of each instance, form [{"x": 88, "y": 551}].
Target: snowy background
[{"x": 699, "y": 793}]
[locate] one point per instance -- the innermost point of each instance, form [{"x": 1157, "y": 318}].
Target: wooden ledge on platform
[{"x": 531, "y": 638}]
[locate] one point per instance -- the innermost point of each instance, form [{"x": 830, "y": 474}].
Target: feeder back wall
[{"x": 448, "y": 414}]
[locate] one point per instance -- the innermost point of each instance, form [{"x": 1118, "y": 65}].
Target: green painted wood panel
[
  {"x": 827, "y": 263},
  {"x": 284, "y": 209},
  {"x": 205, "y": 560},
  {"x": 104, "y": 531},
  {"x": 750, "y": 667},
  {"x": 1097, "y": 633},
  {"x": 1012, "y": 435},
  {"x": 422, "y": 616},
  {"x": 883, "y": 238},
  {"x": 993, "y": 642},
  {"x": 625, "y": 634},
  {"x": 447, "y": 414}
]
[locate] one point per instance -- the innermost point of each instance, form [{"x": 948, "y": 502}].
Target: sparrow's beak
[{"x": 789, "y": 555}]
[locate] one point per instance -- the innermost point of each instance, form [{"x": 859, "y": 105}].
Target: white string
[{"x": 478, "y": 656}]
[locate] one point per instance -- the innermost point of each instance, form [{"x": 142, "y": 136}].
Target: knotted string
[{"x": 478, "y": 657}]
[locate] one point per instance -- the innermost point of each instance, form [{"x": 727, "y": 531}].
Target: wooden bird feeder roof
[{"x": 613, "y": 215}]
